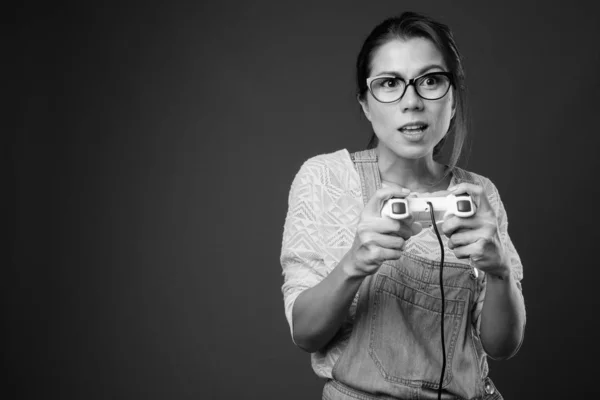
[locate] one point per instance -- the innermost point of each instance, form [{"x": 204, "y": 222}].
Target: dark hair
[{"x": 412, "y": 25}]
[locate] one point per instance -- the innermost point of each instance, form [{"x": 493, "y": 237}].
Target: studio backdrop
[{"x": 154, "y": 149}]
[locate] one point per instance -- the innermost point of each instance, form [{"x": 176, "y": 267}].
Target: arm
[
  {"x": 503, "y": 314},
  {"x": 317, "y": 298},
  {"x": 318, "y": 312},
  {"x": 484, "y": 239},
  {"x": 502, "y": 317}
]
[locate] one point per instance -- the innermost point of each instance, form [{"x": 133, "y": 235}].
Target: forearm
[
  {"x": 318, "y": 312},
  {"x": 502, "y": 317}
]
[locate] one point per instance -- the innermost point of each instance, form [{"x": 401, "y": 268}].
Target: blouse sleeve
[{"x": 301, "y": 251}]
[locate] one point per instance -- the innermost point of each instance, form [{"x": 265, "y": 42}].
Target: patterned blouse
[{"x": 324, "y": 206}]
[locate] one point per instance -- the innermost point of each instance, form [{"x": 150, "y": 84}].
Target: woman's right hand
[{"x": 378, "y": 238}]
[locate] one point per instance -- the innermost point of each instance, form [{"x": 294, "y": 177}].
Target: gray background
[{"x": 154, "y": 149}]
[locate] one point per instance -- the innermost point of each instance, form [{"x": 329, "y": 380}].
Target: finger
[
  {"x": 389, "y": 254},
  {"x": 416, "y": 228},
  {"x": 393, "y": 226},
  {"x": 385, "y": 225},
  {"x": 473, "y": 250},
  {"x": 463, "y": 238},
  {"x": 375, "y": 203},
  {"x": 409, "y": 226},
  {"x": 466, "y": 187},
  {"x": 454, "y": 224},
  {"x": 388, "y": 241}
]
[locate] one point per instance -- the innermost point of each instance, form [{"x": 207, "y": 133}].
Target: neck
[{"x": 417, "y": 175}]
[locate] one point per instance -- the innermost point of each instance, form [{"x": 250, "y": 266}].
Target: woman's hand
[
  {"x": 379, "y": 238},
  {"x": 477, "y": 237}
]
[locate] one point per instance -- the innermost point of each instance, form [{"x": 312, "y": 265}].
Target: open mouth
[{"x": 413, "y": 128}]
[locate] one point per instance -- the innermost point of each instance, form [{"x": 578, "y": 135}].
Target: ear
[{"x": 365, "y": 107}]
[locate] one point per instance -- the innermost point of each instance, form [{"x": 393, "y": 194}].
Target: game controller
[{"x": 460, "y": 205}]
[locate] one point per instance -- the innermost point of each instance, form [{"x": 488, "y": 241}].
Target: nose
[{"x": 411, "y": 100}]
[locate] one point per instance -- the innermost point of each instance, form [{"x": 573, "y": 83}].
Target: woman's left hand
[{"x": 477, "y": 237}]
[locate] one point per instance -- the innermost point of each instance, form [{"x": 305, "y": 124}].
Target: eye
[
  {"x": 430, "y": 81},
  {"x": 389, "y": 83}
]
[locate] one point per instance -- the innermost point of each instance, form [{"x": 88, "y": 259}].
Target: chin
[{"x": 411, "y": 151}]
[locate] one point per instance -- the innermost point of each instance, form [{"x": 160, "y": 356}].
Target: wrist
[
  {"x": 502, "y": 271},
  {"x": 498, "y": 278},
  {"x": 348, "y": 268},
  {"x": 501, "y": 275}
]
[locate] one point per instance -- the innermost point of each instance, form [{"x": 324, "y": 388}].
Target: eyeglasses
[{"x": 431, "y": 86}]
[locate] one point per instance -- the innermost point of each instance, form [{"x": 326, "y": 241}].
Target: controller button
[
  {"x": 463, "y": 206},
  {"x": 399, "y": 208}
]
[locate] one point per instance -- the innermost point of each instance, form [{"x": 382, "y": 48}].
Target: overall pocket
[{"x": 405, "y": 341}]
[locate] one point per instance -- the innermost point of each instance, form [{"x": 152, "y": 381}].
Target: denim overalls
[{"x": 395, "y": 350}]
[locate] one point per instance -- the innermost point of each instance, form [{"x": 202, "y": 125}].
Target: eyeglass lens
[{"x": 431, "y": 86}]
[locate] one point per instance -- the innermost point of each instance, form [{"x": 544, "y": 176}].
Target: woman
[{"x": 362, "y": 292}]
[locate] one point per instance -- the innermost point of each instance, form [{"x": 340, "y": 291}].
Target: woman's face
[{"x": 409, "y": 59}]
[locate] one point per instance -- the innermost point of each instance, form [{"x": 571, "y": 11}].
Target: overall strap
[{"x": 365, "y": 163}]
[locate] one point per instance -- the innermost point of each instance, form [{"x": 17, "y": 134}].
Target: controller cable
[{"x": 443, "y": 301}]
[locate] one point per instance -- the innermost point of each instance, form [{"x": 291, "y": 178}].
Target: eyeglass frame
[{"x": 410, "y": 82}]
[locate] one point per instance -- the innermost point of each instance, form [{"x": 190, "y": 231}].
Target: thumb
[
  {"x": 416, "y": 228},
  {"x": 375, "y": 203}
]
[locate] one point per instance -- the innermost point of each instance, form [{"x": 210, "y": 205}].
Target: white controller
[{"x": 460, "y": 205}]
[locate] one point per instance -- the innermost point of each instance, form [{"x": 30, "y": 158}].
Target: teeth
[{"x": 414, "y": 128}]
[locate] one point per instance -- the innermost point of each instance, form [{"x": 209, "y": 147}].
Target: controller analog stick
[
  {"x": 463, "y": 206},
  {"x": 399, "y": 208}
]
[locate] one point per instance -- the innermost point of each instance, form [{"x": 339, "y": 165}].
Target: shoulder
[
  {"x": 336, "y": 161},
  {"x": 335, "y": 168}
]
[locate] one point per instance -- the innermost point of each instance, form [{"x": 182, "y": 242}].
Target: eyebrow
[{"x": 419, "y": 73}]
